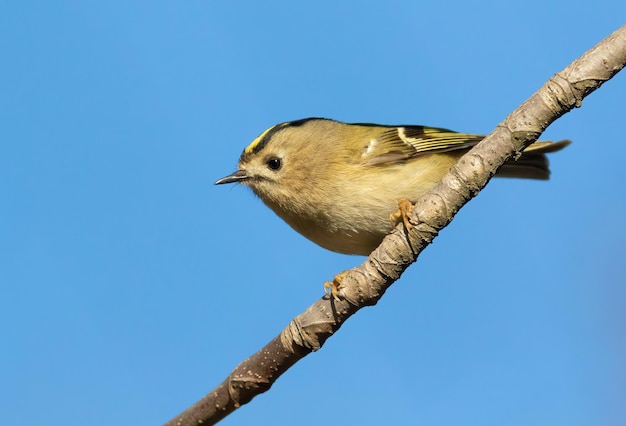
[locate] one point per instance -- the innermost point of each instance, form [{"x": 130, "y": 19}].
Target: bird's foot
[
  {"x": 331, "y": 288},
  {"x": 404, "y": 213}
]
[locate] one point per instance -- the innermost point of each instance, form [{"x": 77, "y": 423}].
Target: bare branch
[{"x": 364, "y": 285}]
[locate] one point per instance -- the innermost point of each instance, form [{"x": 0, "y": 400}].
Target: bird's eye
[{"x": 274, "y": 163}]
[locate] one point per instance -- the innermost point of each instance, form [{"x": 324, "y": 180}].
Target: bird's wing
[{"x": 401, "y": 143}]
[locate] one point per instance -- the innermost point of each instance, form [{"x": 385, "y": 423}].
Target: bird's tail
[{"x": 533, "y": 164}]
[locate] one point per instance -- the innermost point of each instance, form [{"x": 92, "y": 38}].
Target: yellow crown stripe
[
  {"x": 255, "y": 142},
  {"x": 263, "y": 138}
]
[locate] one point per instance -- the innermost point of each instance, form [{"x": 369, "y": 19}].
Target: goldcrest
[{"x": 338, "y": 184}]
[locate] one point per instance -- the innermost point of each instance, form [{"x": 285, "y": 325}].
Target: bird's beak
[{"x": 238, "y": 176}]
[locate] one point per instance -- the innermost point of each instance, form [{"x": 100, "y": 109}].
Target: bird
[{"x": 345, "y": 186}]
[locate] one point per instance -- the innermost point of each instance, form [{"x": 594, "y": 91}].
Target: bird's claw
[
  {"x": 331, "y": 288},
  {"x": 403, "y": 214}
]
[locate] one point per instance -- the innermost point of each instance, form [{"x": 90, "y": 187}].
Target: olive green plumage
[{"x": 337, "y": 183}]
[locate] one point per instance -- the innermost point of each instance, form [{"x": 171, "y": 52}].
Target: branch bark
[{"x": 365, "y": 284}]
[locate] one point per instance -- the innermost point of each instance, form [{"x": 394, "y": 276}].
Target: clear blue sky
[{"x": 131, "y": 286}]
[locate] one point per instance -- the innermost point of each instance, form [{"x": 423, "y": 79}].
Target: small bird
[{"x": 345, "y": 186}]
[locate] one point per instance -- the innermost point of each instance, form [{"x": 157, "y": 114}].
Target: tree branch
[{"x": 365, "y": 284}]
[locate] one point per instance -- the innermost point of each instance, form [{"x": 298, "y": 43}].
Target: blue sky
[{"x": 131, "y": 286}]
